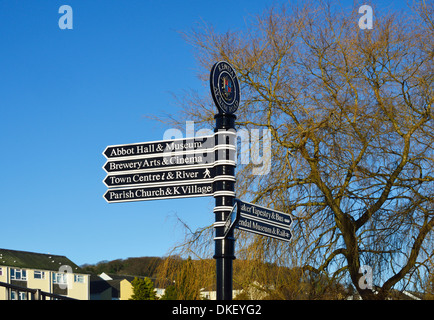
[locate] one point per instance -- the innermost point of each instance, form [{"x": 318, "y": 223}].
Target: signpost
[
  {"x": 197, "y": 167},
  {"x": 225, "y": 91}
]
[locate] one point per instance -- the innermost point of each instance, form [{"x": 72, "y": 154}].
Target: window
[
  {"x": 39, "y": 275},
  {"x": 19, "y": 296},
  {"x": 18, "y": 274},
  {"x": 78, "y": 278},
  {"x": 60, "y": 278},
  {"x": 1, "y": 271}
]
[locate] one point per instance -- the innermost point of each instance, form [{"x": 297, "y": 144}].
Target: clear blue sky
[{"x": 67, "y": 94}]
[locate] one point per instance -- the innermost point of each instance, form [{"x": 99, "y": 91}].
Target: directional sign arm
[
  {"x": 160, "y": 177},
  {"x": 265, "y": 229},
  {"x": 232, "y": 219},
  {"x": 154, "y": 148},
  {"x": 159, "y": 192},
  {"x": 264, "y": 221}
]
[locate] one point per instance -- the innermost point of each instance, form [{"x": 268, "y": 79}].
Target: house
[
  {"x": 394, "y": 294},
  {"x": 101, "y": 289},
  {"x": 109, "y": 287},
  {"x": 47, "y": 274},
  {"x": 115, "y": 287},
  {"x": 210, "y": 292}
]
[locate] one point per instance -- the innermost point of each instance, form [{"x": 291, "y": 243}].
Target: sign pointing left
[
  {"x": 159, "y": 162},
  {"x": 143, "y": 193},
  {"x": 159, "y": 177},
  {"x": 159, "y": 147}
]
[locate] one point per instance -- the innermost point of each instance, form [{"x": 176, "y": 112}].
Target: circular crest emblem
[{"x": 225, "y": 89}]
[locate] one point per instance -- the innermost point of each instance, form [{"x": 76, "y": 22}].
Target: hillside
[
  {"x": 191, "y": 276},
  {"x": 140, "y": 266}
]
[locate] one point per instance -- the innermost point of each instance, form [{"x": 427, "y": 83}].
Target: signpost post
[
  {"x": 224, "y": 194},
  {"x": 225, "y": 91}
]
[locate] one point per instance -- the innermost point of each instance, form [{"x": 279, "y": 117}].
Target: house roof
[
  {"x": 33, "y": 260},
  {"x": 98, "y": 285},
  {"x": 160, "y": 283}
]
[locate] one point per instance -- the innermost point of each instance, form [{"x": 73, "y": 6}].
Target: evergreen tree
[
  {"x": 143, "y": 289},
  {"x": 170, "y": 293}
]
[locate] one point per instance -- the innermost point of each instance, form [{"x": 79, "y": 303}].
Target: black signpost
[
  {"x": 225, "y": 91},
  {"x": 224, "y": 194},
  {"x": 197, "y": 167}
]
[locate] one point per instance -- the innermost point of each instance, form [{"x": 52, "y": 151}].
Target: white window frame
[
  {"x": 79, "y": 278},
  {"x": 18, "y": 274},
  {"x": 20, "y": 296},
  {"x": 39, "y": 275},
  {"x": 60, "y": 278}
]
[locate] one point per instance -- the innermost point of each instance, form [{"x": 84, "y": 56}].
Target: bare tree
[{"x": 350, "y": 112}]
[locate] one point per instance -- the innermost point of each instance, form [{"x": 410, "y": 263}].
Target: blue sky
[{"x": 67, "y": 94}]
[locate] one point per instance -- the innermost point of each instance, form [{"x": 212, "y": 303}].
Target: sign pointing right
[{"x": 264, "y": 221}]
